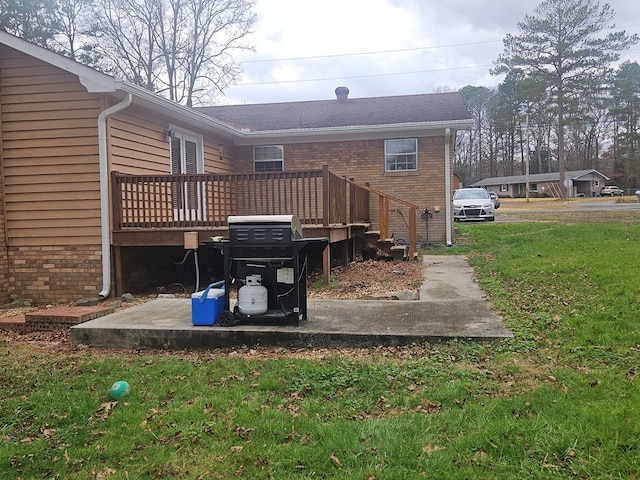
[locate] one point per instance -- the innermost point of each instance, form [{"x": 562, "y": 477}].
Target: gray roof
[
  {"x": 408, "y": 109},
  {"x": 537, "y": 177}
]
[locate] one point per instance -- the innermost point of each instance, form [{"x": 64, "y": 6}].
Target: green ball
[{"x": 119, "y": 390}]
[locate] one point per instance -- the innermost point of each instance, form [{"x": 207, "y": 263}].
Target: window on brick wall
[
  {"x": 269, "y": 158},
  {"x": 401, "y": 155}
]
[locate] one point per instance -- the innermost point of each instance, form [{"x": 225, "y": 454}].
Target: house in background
[
  {"x": 101, "y": 179},
  {"x": 582, "y": 183}
]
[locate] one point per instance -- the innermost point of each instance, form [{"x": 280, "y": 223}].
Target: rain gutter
[
  {"x": 105, "y": 223},
  {"x": 447, "y": 183}
]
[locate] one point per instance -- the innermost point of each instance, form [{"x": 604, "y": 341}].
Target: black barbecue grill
[{"x": 267, "y": 255}]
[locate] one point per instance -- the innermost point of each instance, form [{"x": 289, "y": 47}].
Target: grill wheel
[{"x": 226, "y": 319}]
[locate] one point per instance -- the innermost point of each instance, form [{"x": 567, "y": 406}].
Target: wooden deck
[{"x": 157, "y": 210}]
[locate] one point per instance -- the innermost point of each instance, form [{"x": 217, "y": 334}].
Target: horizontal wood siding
[
  {"x": 216, "y": 163},
  {"x": 50, "y": 154},
  {"x": 4, "y": 258},
  {"x": 139, "y": 145}
]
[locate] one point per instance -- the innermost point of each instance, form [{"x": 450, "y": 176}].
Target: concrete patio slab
[{"x": 451, "y": 306}]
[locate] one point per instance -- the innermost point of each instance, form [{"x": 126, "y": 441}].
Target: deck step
[
  {"x": 56, "y": 318},
  {"x": 399, "y": 252}
]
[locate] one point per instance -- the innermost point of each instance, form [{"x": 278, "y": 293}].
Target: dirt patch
[{"x": 369, "y": 279}]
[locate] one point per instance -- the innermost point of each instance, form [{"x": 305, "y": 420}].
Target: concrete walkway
[{"x": 451, "y": 306}]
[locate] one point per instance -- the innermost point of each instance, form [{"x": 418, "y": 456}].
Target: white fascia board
[
  {"x": 179, "y": 113},
  {"x": 364, "y": 132}
]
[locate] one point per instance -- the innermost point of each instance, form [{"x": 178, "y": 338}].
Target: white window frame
[
  {"x": 186, "y": 156},
  {"x": 264, "y": 161},
  {"x": 393, "y": 155}
]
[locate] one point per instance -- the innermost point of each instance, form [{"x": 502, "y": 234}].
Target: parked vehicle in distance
[
  {"x": 611, "y": 190},
  {"x": 473, "y": 204},
  {"x": 495, "y": 199}
]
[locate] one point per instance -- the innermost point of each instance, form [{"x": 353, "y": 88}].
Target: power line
[
  {"x": 379, "y": 52},
  {"x": 370, "y": 53},
  {"x": 361, "y": 76},
  {"x": 374, "y": 53}
]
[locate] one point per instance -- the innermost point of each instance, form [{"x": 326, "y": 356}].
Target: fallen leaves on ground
[
  {"x": 368, "y": 279},
  {"x": 358, "y": 280}
]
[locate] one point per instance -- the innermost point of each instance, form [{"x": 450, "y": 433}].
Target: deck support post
[
  {"x": 118, "y": 270},
  {"x": 326, "y": 264}
]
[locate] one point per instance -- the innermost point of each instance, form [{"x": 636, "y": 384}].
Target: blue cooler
[{"x": 207, "y": 305}]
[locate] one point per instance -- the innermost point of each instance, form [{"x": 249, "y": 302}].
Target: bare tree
[
  {"x": 76, "y": 36},
  {"x": 178, "y": 48},
  {"x": 478, "y": 101},
  {"x": 126, "y": 39}
]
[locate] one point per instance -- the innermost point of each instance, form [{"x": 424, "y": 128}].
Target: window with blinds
[{"x": 186, "y": 159}]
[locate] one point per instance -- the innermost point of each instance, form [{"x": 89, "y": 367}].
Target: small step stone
[
  {"x": 127, "y": 297},
  {"x": 116, "y": 304},
  {"x": 88, "y": 302}
]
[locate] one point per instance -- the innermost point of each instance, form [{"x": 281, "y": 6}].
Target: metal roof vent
[{"x": 342, "y": 94}]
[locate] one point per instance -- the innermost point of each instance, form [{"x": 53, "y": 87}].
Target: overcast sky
[{"x": 304, "y": 49}]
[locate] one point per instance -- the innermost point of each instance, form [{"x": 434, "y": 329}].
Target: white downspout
[
  {"x": 447, "y": 183},
  {"x": 105, "y": 224}
]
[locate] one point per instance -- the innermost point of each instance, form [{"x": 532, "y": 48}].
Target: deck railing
[{"x": 316, "y": 197}]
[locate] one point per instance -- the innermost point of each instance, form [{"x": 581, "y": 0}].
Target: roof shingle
[{"x": 375, "y": 111}]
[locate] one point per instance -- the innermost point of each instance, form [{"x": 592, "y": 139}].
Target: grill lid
[{"x": 289, "y": 221}]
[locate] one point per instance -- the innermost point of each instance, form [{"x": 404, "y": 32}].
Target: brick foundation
[{"x": 54, "y": 274}]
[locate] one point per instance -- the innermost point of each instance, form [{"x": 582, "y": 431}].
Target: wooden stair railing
[{"x": 384, "y": 201}]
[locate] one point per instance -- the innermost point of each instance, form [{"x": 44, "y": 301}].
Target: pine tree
[{"x": 566, "y": 47}]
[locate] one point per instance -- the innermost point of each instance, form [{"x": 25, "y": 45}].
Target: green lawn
[{"x": 560, "y": 400}]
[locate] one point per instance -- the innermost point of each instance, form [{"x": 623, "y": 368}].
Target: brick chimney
[{"x": 342, "y": 94}]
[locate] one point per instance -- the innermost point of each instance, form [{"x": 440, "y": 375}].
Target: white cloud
[{"x": 304, "y": 49}]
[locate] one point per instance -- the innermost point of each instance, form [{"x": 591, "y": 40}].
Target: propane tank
[{"x": 252, "y": 297}]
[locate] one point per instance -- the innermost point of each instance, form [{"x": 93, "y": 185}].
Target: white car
[
  {"x": 473, "y": 204},
  {"x": 611, "y": 190}
]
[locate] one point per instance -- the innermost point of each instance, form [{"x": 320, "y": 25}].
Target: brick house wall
[
  {"x": 54, "y": 274},
  {"x": 363, "y": 161}
]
